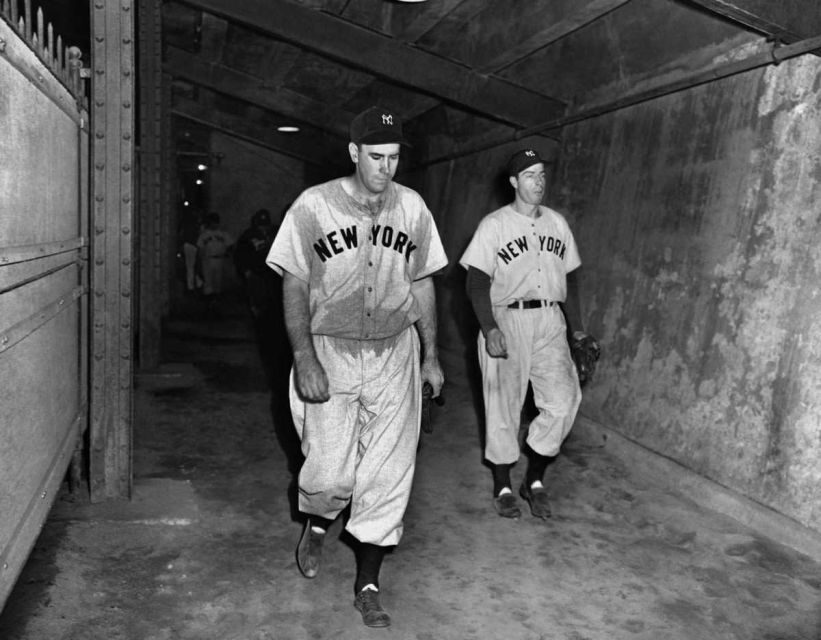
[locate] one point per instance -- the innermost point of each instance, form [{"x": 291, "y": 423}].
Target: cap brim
[{"x": 383, "y": 137}]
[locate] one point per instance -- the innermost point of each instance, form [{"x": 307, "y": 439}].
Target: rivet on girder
[{"x": 126, "y": 231}]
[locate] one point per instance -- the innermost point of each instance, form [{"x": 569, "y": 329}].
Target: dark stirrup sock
[
  {"x": 501, "y": 477},
  {"x": 369, "y": 561},
  {"x": 536, "y": 466}
]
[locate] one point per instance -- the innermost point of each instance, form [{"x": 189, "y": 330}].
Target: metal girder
[
  {"x": 383, "y": 56},
  {"x": 248, "y": 88},
  {"x": 788, "y": 20},
  {"x": 314, "y": 149}
]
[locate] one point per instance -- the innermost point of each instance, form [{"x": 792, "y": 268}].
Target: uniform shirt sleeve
[
  {"x": 481, "y": 251},
  {"x": 289, "y": 251},
  {"x": 433, "y": 258}
]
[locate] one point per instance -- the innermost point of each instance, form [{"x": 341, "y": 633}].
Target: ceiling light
[
  {"x": 202, "y": 167},
  {"x": 199, "y": 181},
  {"x": 287, "y": 129}
]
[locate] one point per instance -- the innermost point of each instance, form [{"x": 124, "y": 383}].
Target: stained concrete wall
[{"x": 699, "y": 223}]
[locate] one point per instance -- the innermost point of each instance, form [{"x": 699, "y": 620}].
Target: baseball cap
[
  {"x": 521, "y": 160},
  {"x": 377, "y": 125}
]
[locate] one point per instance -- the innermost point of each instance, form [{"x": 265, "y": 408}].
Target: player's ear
[
  {"x": 514, "y": 182},
  {"x": 353, "y": 150}
]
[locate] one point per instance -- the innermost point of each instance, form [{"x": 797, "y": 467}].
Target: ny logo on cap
[
  {"x": 387, "y": 119},
  {"x": 528, "y": 153}
]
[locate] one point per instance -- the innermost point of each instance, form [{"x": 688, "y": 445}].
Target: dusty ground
[{"x": 205, "y": 550}]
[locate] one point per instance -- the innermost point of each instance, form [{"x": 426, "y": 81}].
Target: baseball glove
[{"x": 585, "y": 351}]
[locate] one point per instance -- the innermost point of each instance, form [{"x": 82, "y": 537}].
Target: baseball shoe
[
  {"x": 373, "y": 615},
  {"x": 309, "y": 551},
  {"x": 537, "y": 498},
  {"x": 506, "y": 506}
]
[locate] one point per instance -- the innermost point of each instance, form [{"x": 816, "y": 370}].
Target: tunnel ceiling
[{"x": 462, "y": 73}]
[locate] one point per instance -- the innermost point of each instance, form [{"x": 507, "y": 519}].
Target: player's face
[
  {"x": 530, "y": 184},
  {"x": 375, "y": 164}
]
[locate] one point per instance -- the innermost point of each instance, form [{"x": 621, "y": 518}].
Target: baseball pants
[
  {"x": 360, "y": 446},
  {"x": 537, "y": 353}
]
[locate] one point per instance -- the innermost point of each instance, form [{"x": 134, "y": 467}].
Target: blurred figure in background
[{"x": 214, "y": 246}]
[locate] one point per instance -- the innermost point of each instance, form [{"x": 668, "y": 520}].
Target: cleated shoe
[
  {"x": 537, "y": 498},
  {"x": 373, "y": 615},
  {"x": 506, "y": 506},
  {"x": 309, "y": 551}
]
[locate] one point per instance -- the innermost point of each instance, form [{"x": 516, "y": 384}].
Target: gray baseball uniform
[
  {"x": 527, "y": 258},
  {"x": 360, "y": 446}
]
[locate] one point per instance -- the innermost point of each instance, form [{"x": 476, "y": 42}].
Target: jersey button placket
[{"x": 367, "y": 321}]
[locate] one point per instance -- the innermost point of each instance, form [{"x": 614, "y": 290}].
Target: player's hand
[
  {"x": 310, "y": 379},
  {"x": 495, "y": 343},
  {"x": 432, "y": 373}
]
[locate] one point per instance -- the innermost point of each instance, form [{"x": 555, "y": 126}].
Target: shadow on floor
[{"x": 205, "y": 549}]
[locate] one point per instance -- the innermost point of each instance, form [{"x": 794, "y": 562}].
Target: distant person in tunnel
[
  {"x": 520, "y": 281},
  {"x": 190, "y": 229},
  {"x": 357, "y": 255},
  {"x": 263, "y": 292},
  {"x": 214, "y": 246},
  {"x": 249, "y": 259}
]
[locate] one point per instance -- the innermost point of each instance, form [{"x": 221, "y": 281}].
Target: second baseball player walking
[{"x": 520, "y": 262}]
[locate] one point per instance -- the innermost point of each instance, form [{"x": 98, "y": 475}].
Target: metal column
[{"x": 112, "y": 248}]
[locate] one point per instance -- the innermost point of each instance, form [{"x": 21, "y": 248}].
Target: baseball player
[
  {"x": 518, "y": 265},
  {"x": 214, "y": 246},
  {"x": 357, "y": 254}
]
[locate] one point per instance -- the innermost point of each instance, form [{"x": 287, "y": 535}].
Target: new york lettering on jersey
[
  {"x": 346, "y": 238},
  {"x": 519, "y": 246}
]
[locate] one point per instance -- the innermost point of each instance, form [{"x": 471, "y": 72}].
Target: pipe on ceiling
[{"x": 776, "y": 55}]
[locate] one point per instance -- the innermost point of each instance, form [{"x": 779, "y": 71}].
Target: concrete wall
[{"x": 699, "y": 223}]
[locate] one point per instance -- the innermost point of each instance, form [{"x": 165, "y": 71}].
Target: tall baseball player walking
[
  {"x": 357, "y": 254},
  {"x": 520, "y": 262}
]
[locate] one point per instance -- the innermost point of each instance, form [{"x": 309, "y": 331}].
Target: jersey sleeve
[
  {"x": 481, "y": 251},
  {"x": 574, "y": 260},
  {"x": 434, "y": 258},
  {"x": 289, "y": 251}
]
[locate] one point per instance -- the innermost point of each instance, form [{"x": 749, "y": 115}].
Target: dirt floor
[{"x": 205, "y": 549}]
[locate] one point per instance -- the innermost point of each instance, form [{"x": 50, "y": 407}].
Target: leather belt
[{"x": 530, "y": 304}]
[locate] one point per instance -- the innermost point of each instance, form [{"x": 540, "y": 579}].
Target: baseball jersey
[
  {"x": 526, "y": 258},
  {"x": 359, "y": 267}
]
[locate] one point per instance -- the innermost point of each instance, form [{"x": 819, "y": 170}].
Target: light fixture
[
  {"x": 185, "y": 203},
  {"x": 199, "y": 181},
  {"x": 202, "y": 167},
  {"x": 287, "y": 128}
]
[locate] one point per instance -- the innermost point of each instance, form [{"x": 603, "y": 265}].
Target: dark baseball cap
[
  {"x": 377, "y": 125},
  {"x": 521, "y": 160}
]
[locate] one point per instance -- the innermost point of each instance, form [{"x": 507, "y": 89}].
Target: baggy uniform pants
[
  {"x": 360, "y": 446},
  {"x": 537, "y": 353}
]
